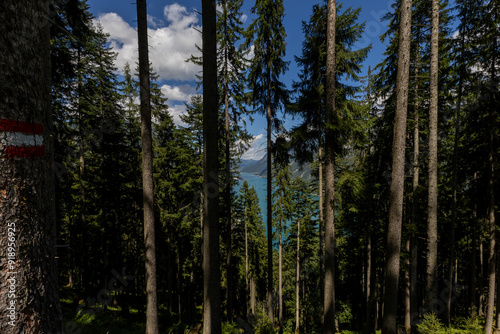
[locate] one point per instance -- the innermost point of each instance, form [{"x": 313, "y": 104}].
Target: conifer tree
[
  {"x": 329, "y": 326},
  {"x": 282, "y": 208},
  {"x": 231, "y": 63},
  {"x": 211, "y": 270},
  {"x": 432, "y": 228},
  {"x": 147, "y": 171},
  {"x": 267, "y": 34},
  {"x": 397, "y": 180}
]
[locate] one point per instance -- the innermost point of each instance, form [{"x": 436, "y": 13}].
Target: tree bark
[
  {"x": 297, "y": 282},
  {"x": 269, "y": 207},
  {"x": 280, "y": 280},
  {"x": 211, "y": 269},
  {"x": 415, "y": 181},
  {"x": 229, "y": 257},
  {"x": 29, "y": 297},
  {"x": 147, "y": 170},
  {"x": 329, "y": 280},
  {"x": 491, "y": 206},
  {"x": 247, "y": 290},
  {"x": 454, "y": 187},
  {"x": 432, "y": 228},
  {"x": 398, "y": 172}
]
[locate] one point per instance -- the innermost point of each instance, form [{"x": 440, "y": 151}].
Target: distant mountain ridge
[{"x": 259, "y": 167}]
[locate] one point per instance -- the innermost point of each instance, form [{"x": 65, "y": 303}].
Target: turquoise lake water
[{"x": 260, "y": 185}]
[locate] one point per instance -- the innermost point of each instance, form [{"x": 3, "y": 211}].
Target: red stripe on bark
[
  {"x": 9, "y": 125},
  {"x": 24, "y": 151}
]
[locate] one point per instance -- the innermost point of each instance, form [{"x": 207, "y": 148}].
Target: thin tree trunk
[
  {"x": 474, "y": 308},
  {"x": 147, "y": 170},
  {"x": 211, "y": 268},
  {"x": 454, "y": 191},
  {"x": 491, "y": 208},
  {"x": 329, "y": 281},
  {"x": 297, "y": 282},
  {"x": 247, "y": 291},
  {"x": 29, "y": 300},
  {"x": 280, "y": 280},
  {"x": 253, "y": 299},
  {"x": 269, "y": 209},
  {"x": 369, "y": 327},
  {"x": 229, "y": 258},
  {"x": 482, "y": 297},
  {"x": 321, "y": 225},
  {"x": 398, "y": 172}
]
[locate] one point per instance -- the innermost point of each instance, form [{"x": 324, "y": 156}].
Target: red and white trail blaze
[{"x": 21, "y": 139}]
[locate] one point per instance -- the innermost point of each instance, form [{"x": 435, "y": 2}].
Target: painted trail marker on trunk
[{"x": 21, "y": 139}]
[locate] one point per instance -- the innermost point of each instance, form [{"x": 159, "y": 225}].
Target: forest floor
[{"x": 109, "y": 319}]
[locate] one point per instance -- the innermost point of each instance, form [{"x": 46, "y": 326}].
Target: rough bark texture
[
  {"x": 432, "y": 228},
  {"x": 393, "y": 247},
  {"x": 415, "y": 181},
  {"x": 297, "y": 282},
  {"x": 329, "y": 280},
  {"x": 491, "y": 210},
  {"x": 407, "y": 323},
  {"x": 147, "y": 170},
  {"x": 28, "y": 273},
  {"x": 269, "y": 210},
  {"x": 211, "y": 269}
]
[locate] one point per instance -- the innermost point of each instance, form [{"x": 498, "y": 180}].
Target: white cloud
[
  {"x": 244, "y": 18},
  {"x": 257, "y": 148},
  {"x": 154, "y": 22},
  {"x": 176, "y": 112},
  {"x": 178, "y": 93},
  {"x": 169, "y": 46}
]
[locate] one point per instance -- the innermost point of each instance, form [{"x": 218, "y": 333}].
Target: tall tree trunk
[
  {"x": 415, "y": 181},
  {"x": 211, "y": 269},
  {"x": 297, "y": 282},
  {"x": 432, "y": 228},
  {"x": 369, "y": 328},
  {"x": 329, "y": 281},
  {"x": 398, "y": 172},
  {"x": 454, "y": 188},
  {"x": 29, "y": 300},
  {"x": 269, "y": 208},
  {"x": 229, "y": 258},
  {"x": 491, "y": 205},
  {"x": 321, "y": 225},
  {"x": 147, "y": 170}
]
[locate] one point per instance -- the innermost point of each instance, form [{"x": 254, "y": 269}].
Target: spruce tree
[
  {"x": 267, "y": 34},
  {"x": 232, "y": 64}
]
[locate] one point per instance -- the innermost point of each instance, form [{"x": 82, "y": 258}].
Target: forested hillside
[{"x": 120, "y": 214}]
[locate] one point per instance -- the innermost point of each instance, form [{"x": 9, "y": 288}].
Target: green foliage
[{"x": 430, "y": 324}]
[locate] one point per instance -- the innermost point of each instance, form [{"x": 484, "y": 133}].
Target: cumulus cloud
[
  {"x": 169, "y": 45},
  {"x": 181, "y": 93},
  {"x": 176, "y": 111},
  {"x": 257, "y": 148}
]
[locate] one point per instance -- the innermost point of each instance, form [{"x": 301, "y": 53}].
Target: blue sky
[{"x": 173, "y": 35}]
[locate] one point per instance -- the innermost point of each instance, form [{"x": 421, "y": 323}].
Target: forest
[{"x": 380, "y": 207}]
